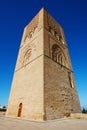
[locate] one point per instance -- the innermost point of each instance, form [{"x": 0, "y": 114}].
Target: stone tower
[{"x": 43, "y": 86}]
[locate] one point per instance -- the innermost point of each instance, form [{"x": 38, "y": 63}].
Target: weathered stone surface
[{"x": 43, "y": 85}]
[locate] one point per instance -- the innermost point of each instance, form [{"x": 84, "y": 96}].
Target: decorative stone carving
[
  {"x": 31, "y": 29},
  {"x": 56, "y": 35},
  {"x": 58, "y": 55},
  {"x": 27, "y": 55},
  {"x": 55, "y": 30}
]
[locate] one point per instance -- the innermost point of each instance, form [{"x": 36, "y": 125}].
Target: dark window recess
[{"x": 69, "y": 75}]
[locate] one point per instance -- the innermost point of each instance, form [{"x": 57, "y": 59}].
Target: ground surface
[{"x": 62, "y": 124}]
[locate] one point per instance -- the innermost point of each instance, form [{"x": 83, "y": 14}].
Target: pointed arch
[
  {"x": 58, "y": 55},
  {"x": 20, "y": 109}
]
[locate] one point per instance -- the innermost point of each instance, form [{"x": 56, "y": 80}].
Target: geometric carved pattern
[
  {"x": 55, "y": 30},
  {"x": 31, "y": 28},
  {"x": 56, "y": 35},
  {"x": 27, "y": 56},
  {"x": 57, "y": 55}
]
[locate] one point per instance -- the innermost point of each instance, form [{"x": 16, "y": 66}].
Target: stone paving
[{"x": 7, "y": 123}]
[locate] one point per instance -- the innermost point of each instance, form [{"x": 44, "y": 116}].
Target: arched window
[
  {"x": 20, "y": 110},
  {"x": 57, "y": 53},
  {"x": 27, "y": 56},
  {"x": 70, "y": 79}
]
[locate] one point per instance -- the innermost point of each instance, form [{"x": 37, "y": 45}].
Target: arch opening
[
  {"x": 57, "y": 54},
  {"x": 20, "y": 109}
]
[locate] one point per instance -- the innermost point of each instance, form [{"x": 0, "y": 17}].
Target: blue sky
[{"x": 16, "y": 14}]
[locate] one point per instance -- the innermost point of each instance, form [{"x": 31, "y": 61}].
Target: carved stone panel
[
  {"x": 30, "y": 29},
  {"x": 27, "y": 55},
  {"x": 55, "y": 30}
]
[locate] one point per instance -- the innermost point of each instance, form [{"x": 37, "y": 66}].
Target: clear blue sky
[{"x": 16, "y": 14}]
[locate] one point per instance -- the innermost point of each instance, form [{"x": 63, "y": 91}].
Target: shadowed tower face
[{"x": 43, "y": 86}]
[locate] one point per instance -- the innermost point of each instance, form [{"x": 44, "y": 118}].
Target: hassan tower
[{"x": 43, "y": 86}]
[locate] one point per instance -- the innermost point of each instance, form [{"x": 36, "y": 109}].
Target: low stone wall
[{"x": 78, "y": 115}]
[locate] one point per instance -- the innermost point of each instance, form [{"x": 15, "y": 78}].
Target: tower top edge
[{"x": 42, "y": 12}]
